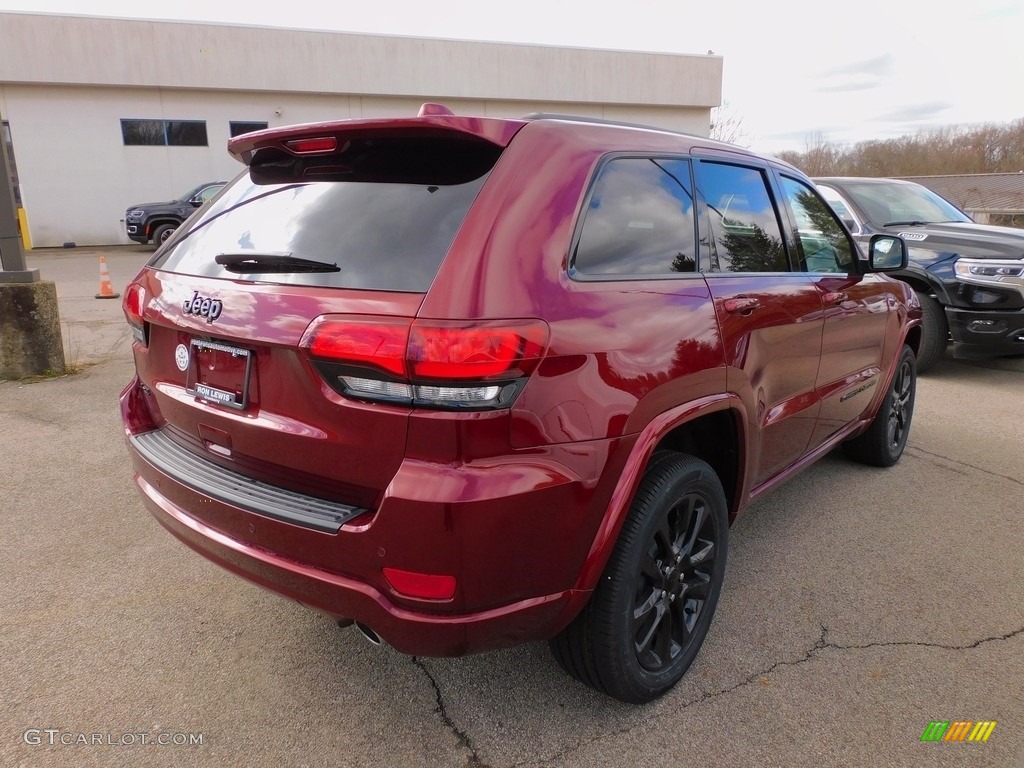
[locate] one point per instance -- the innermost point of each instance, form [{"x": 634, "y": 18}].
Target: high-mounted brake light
[
  {"x": 434, "y": 363},
  {"x": 133, "y": 305},
  {"x": 308, "y": 146}
]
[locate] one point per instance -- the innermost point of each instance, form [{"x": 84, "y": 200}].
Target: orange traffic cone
[{"x": 106, "y": 289}]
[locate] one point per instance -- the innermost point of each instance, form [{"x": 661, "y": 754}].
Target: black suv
[
  {"x": 157, "y": 221},
  {"x": 969, "y": 277}
]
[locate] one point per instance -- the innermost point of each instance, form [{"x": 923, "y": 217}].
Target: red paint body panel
[{"x": 521, "y": 502}]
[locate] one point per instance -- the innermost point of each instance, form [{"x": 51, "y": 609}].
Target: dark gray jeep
[{"x": 157, "y": 221}]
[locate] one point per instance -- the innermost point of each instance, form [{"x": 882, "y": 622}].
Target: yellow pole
[{"x": 26, "y": 238}]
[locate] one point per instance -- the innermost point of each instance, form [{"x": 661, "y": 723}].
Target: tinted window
[
  {"x": 824, "y": 246},
  {"x": 174, "y": 133},
  {"x": 143, "y": 132},
  {"x": 639, "y": 220},
  {"x": 238, "y": 127},
  {"x": 745, "y": 233},
  {"x": 382, "y": 236}
]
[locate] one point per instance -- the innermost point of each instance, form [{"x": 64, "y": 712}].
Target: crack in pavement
[
  {"x": 821, "y": 645},
  {"x": 442, "y": 710},
  {"x": 915, "y": 449}
]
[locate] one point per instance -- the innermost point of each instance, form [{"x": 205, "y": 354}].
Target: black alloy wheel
[
  {"x": 651, "y": 611},
  {"x": 882, "y": 444}
]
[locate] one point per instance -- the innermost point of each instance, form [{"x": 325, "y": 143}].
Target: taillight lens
[
  {"x": 376, "y": 342},
  {"x": 450, "y": 351},
  {"x": 133, "y": 305},
  {"x": 430, "y": 363}
]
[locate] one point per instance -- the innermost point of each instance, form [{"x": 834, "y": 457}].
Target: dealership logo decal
[
  {"x": 958, "y": 730},
  {"x": 201, "y": 306},
  {"x": 181, "y": 357}
]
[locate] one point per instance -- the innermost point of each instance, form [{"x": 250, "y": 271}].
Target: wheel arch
[
  {"x": 924, "y": 282},
  {"x": 159, "y": 220},
  {"x": 711, "y": 429}
]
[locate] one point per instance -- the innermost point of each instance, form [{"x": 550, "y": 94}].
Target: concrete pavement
[{"x": 859, "y": 605}]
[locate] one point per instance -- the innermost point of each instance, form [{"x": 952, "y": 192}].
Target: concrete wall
[{"x": 66, "y": 82}]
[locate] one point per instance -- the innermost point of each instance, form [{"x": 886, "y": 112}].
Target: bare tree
[
  {"x": 949, "y": 150},
  {"x": 727, "y": 125}
]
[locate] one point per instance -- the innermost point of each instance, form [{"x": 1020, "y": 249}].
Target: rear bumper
[
  {"x": 515, "y": 531},
  {"x": 408, "y": 631},
  {"x": 979, "y": 335}
]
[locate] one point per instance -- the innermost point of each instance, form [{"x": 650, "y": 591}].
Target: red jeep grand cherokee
[{"x": 473, "y": 382}]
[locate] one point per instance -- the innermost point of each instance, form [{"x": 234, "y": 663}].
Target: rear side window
[
  {"x": 639, "y": 221},
  {"x": 745, "y": 232},
  {"x": 367, "y": 229}
]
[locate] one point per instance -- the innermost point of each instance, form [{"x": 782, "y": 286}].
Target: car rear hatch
[{"x": 252, "y": 323}]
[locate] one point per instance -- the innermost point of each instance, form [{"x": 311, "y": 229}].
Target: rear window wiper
[{"x": 257, "y": 263}]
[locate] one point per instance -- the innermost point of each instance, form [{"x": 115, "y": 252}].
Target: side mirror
[
  {"x": 887, "y": 253},
  {"x": 196, "y": 201}
]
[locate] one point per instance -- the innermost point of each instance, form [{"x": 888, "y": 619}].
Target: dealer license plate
[{"x": 219, "y": 373}]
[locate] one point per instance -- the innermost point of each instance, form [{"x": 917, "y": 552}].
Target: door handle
[
  {"x": 743, "y": 305},
  {"x": 835, "y": 297}
]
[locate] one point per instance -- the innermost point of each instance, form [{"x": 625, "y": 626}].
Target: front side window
[
  {"x": 824, "y": 245},
  {"x": 745, "y": 232},
  {"x": 639, "y": 221}
]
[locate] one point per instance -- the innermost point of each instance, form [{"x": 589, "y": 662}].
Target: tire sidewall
[
  {"x": 624, "y": 671},
  {"x": 906, "y": 358}
]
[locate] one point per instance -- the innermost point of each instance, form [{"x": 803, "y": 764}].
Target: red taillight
[
  {"x": 377, "y": 341},
  {"x": 308, "y": 146},
  {"x": 455, "y": 352},
  {"x": 133, "y": 305},
  {"x": 429, "y": 586},
  {"x": 436, "y": 363}
]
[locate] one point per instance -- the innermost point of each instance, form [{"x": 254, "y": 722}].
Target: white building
[{"x": 75, "y": 91}]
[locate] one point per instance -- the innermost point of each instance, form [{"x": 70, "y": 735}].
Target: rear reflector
[{"x": 429, "y": 586}]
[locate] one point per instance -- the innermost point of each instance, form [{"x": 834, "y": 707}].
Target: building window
[
  {"x": 238, "y": 127},
  {"x": 164, "y": 133}
]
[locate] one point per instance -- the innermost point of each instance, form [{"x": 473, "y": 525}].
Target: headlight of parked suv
[{"x": 135, "y": 214}]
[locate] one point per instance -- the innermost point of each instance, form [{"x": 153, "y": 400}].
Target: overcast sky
[{"x": 794, "y": 69}]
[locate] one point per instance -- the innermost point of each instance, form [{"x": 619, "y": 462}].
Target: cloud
[
  {"x": 998, "y": 14},
  {"x": 915, "y": 112},
  {"x": 853, "y": 85},
  {"x": 877, "y": 67},
  {"x": 863, "y": 75}
]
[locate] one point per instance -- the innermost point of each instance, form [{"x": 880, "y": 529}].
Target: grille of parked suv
[{"x": 235, "y": 488}]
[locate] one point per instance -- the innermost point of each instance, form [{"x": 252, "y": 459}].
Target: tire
[
  {"x": 883, "y": 442},
  {"x": 934, "y": 332},
  {"x": 650, "y": 613},
  {"x": 162, "y": 233}
]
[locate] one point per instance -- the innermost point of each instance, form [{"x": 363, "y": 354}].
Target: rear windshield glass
[{"x": 377, "y": 235}]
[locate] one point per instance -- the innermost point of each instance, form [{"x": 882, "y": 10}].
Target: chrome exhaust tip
[{"x": 368, "y": 633}]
